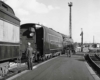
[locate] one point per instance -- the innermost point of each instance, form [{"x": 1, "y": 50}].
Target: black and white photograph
[{"x": 49, "y": 39}]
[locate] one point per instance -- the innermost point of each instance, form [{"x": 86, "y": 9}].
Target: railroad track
[
  {"x": 94, "y": 61},
  {"x": 14, "y": 68},
  {"x": 97, "y": 56},
  {"x": 17, "y": 68}
]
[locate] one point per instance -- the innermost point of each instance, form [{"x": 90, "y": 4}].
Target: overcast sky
[{"x": 55, "y": 14}]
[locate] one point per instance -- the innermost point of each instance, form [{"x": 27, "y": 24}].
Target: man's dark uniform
[
  {"x": 68, "y": 51},
  {"x": 29, "y": 55}
]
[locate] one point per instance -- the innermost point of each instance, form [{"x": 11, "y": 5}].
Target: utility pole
[
  {"x": 81, "y": 40},
  {"x": 70, "y": 21}
]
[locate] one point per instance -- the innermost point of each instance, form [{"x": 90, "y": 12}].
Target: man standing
[
  {"x": 68, "y": 50},
  {"x": 29, "y": 55}
]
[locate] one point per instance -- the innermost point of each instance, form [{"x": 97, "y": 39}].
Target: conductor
[{"x": 29, "y": 55}]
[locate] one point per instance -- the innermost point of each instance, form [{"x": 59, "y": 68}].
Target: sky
[{"x": 55, "y": 14}]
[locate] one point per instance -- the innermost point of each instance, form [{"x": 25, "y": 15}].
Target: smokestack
[{"x": 70, "y": 21}]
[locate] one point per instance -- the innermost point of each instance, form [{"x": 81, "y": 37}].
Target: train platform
[{"x": 60, "y": 68}]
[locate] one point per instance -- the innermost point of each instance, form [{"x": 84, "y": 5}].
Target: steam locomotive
[
  {"x": 14, "y": 37},
  {"x": 45, "y": 41}
]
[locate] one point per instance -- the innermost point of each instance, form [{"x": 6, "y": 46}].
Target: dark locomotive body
[
  {"x": 9, "y": 36},
  {"x": 51, "y": 42},
  {"x": 45, "y": 41}
]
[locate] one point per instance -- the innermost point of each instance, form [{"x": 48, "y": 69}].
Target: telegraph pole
[
  {"x": 70, "y": 21},
  {"x": 81, "y": 40}
]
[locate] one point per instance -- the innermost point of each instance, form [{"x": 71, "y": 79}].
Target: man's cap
[{"x": 29, "y": 43}]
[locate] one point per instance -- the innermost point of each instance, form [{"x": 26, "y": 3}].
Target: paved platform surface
[{"x": 60, "y": 68}]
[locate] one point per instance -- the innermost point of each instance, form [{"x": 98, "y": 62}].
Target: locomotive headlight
[
  {"x": 32, "y": 31},
  {"x": 31, "y": 34}
]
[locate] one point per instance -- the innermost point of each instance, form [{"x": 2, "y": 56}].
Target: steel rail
[
  {"x": 97, "y": 56},
  {"x": 92, "y": 63}
]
